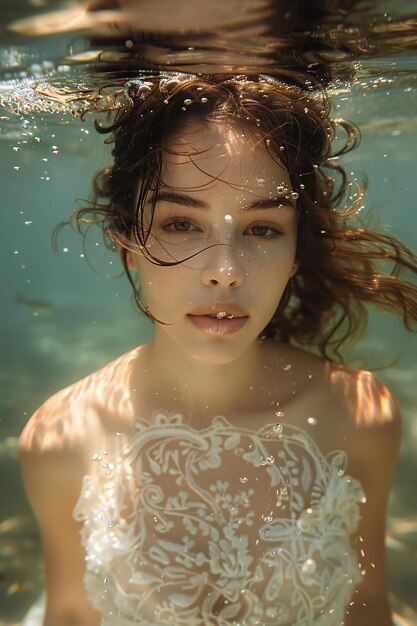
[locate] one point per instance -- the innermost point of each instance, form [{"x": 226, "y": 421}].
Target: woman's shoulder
[
  {"x": 359, "y": 393},
  {"x": 72, "y": 417},
  {"x": 353, "y": 405}
]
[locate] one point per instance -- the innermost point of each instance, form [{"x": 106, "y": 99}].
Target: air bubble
[
  {"x": 277, "y": 428},
  {"x": 279, "y": 413},
  {"x": 302, "y": 186},
  {"x": 243, "y": 479},
  {"x": 286, "y": 367},
  {"x": 17, "y": 168},
  {"x": 188, "y": 101},
  {"x": 312, "y": 421},
  {"x": 261, "y": 182},
  {"x": 204, "y": 100},
  {"x": 228, "y": 218},
  {"x": 295, "y": 195},
  {"x": 309, "y": 566},
  {"x": 16, "y": 149}
]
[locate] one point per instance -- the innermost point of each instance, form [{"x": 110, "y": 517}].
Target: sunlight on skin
[{"x": 372, "y": 404}]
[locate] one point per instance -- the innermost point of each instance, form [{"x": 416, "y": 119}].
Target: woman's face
[{"x": 226, "y": 201}]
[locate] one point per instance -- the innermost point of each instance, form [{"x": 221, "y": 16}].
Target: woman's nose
[{"x": 223, "y": 267}]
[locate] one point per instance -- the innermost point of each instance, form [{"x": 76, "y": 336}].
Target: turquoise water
[{"x": 64, "y": 315}]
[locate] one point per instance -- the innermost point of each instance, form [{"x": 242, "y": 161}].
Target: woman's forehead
[{"x": 233, "y": 153}]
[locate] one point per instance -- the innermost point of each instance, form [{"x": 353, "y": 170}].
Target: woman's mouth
[{"x": 219, "y": 319}]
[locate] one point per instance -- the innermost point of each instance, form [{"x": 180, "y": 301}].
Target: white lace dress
[{"x": 220, "y": 526}]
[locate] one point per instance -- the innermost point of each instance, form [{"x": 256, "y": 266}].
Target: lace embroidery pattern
[{"x": 220, "y": 526}]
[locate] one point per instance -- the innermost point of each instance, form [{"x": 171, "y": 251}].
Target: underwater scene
[{"x": 67, "y": 308}]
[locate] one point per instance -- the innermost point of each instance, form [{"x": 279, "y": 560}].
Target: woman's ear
[
  {"x": 294, "y": 270},
  {"x": 127, "y": 257}
]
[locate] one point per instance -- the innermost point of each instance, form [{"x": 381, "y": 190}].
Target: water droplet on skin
[
  {"x": 261, "y": 182},
  {"x": 279, "y": 413},
  {"x": 277, "y": 428},
  {"x": 363, "y": 499},
  {"x": 243, "y": 479},
  {"x": 312, "y": 421},
  {"x": 295, "y": 195},
  {"x": 302, "y": 186},
  {"x": 187, "y": 101},
  {"x": 286, "y": 367},
  {"x": 228, "y": 218},
  {"x": 281, "y": 190},
  {"x": 204, "y": 100}
]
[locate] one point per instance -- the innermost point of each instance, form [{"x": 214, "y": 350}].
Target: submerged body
[
  {"x": 218, "y": 474},
  {"x": 273, "y": 514}
]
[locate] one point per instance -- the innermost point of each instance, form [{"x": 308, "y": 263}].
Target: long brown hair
[{"x": 342, "y": 264}]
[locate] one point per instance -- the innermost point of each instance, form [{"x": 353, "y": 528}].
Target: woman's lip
[
  {"x": 218, "y": 327},
  {"x": 219, "y": 307}
]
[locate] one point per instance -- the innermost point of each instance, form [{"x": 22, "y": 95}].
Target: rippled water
[{"x": 58, "y": 312}]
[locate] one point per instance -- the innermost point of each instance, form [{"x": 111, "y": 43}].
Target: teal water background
[{"x": 62, "y": 318}]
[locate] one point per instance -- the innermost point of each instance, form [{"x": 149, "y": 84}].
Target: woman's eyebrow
[
  {"x": 194, "y": 203},
  {"x": 179, "y": 198},
  {"x": 269, "y": 203}
]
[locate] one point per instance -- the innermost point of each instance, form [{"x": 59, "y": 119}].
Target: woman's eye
[
  {"x": 179, "y": 225},
  {"x": 260, "y": 230}
]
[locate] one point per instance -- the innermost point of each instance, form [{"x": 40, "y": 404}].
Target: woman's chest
[{"x": 234, "y": 517}]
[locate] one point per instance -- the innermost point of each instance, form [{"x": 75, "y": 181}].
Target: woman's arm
[
  {"x": 374, "y": 449},
  {"x": 52, "y": 472}
]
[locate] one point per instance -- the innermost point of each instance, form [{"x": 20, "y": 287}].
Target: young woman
[{"x": 232, "y": 470}]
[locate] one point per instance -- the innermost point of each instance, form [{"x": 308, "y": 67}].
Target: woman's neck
[{"x": 171, "y": 380}]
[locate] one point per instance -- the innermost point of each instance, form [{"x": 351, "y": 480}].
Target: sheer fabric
[{"x": 219, "y": 526}]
